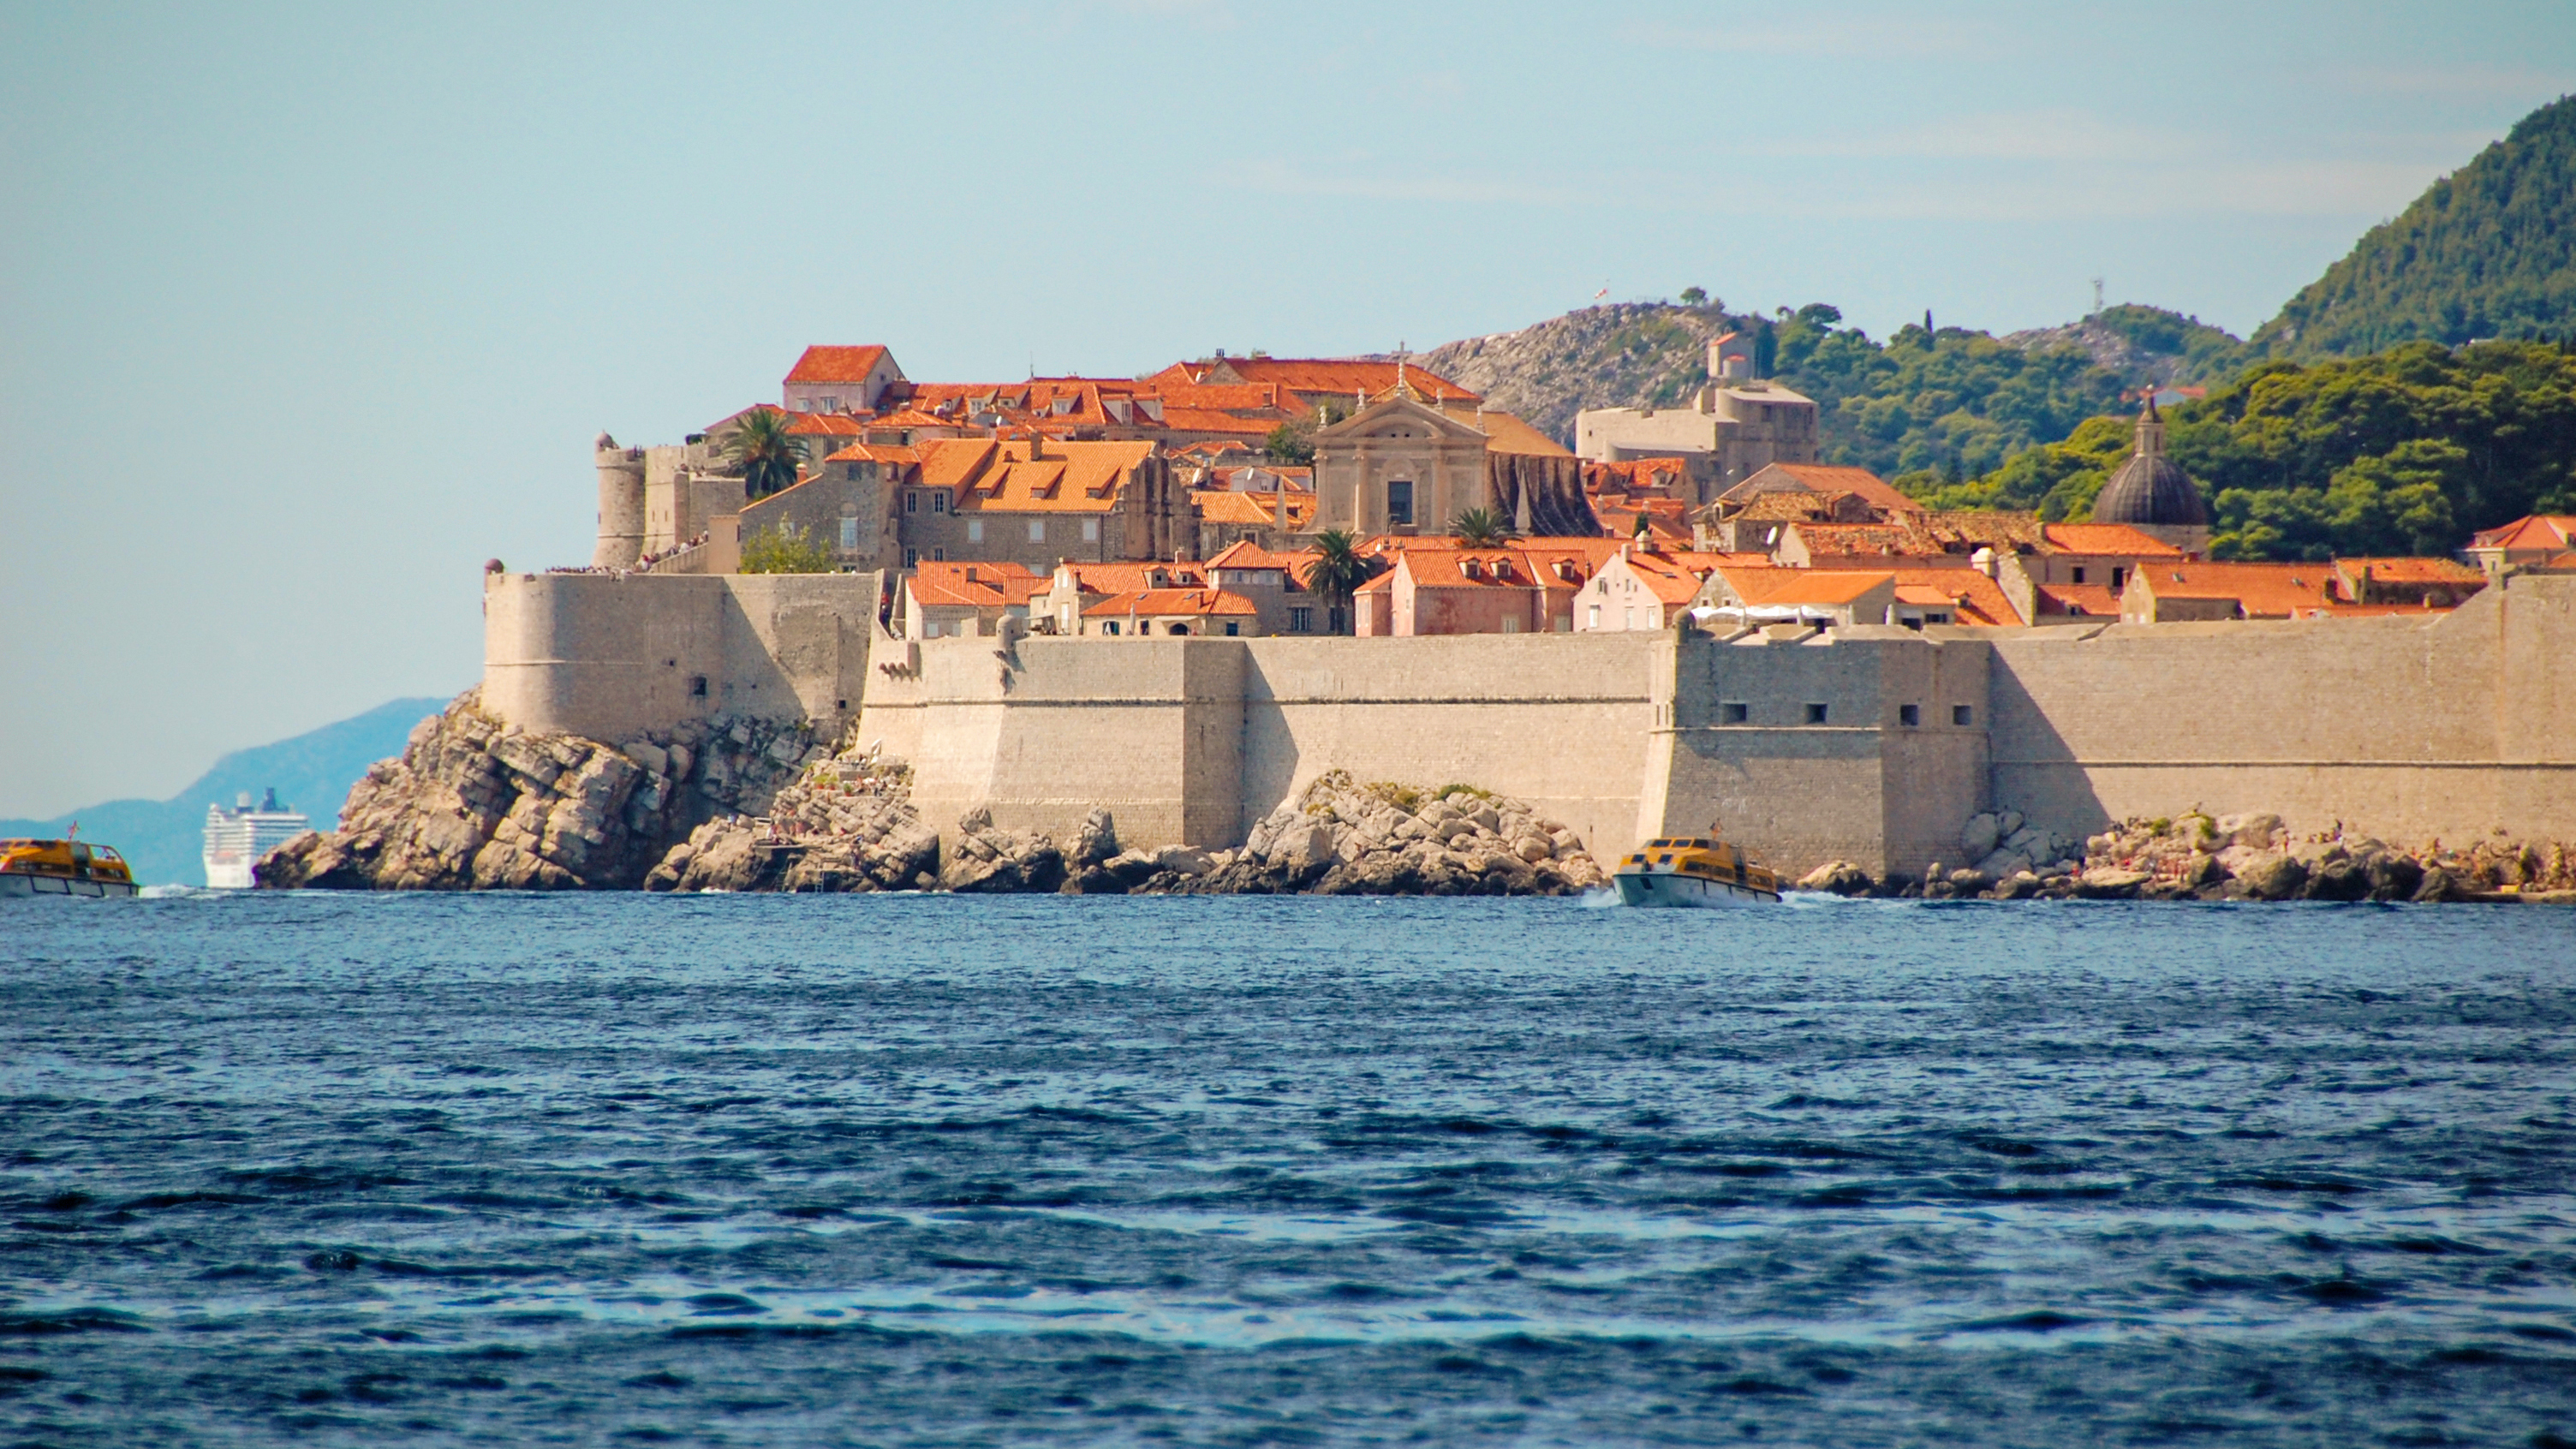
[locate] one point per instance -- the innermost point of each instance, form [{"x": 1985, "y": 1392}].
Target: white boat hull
[
  {"x": 14, "y": 884},
  {"x": 1664, "y": 888}
]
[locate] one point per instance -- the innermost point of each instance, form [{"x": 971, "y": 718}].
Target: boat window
[{"x": 1664, "y": 859}]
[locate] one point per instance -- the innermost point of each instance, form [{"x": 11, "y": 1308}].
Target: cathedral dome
[{"x": 2150, "y": 488}]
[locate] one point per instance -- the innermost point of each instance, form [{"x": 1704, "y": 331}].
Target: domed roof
[{"x": 2151, "y": 488}]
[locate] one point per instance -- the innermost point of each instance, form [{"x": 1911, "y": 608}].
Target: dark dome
[{"x": 2150, "y": 489}]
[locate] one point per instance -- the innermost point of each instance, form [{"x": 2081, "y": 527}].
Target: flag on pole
[{"x": 1604, "y": 292}]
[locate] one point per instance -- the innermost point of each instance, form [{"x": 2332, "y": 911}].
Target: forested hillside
[
  {"x": 1954, "y": 403},
  {"x": 2488, "y": 251},
  {"x": 2405, "y": 452}
]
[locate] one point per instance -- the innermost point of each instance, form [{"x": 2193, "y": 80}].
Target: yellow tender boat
[
  {"x": 62, "y": 868},
  {"x": 1694, "y": 872}
]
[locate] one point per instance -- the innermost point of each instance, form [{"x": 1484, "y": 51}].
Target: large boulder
[
  {"x": 1977, "y": 841},
  {"x": 2272, "y": 876},
  {"x": 1836, "y": 877}
]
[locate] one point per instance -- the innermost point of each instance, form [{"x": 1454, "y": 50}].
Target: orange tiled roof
[
  {"x": 1245, "y": 554},
  {"x": 2077, "y": 601},
  {"x": 1252, "y": 509},
  {"x": 2412, "y": 570},
  {"x": 875, "y": 453},
  {"x": 1206, "y": 420},
  {"x": 1829, "y": 478},
  {"x": 2262, "y": 590},
  {"x": 1343, "y": 376},
  {"x": 977, "y": 585},
  {"x": 1893, "y": 540},
  {"x": 1979, "y": 600},
  {"x": 1131, "y": 578},
  {"x": 837, "y": 425},
  {"x": 2105, "y": 538},
  {"x": 836, "y": 364},
  {"x": 1504, "y": 432},
  {"x": 1776, "y": 587},
  {"x": 994, "y": 475},
  {"x": 1164, "y": 603},
  {"x": 2551, "y": 531}
]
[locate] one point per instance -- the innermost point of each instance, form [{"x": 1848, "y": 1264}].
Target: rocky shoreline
[
  {"x": 2196, "y": 856},
  {"x": 748, "y": 805}
]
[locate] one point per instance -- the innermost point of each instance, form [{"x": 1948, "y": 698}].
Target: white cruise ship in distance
[{"x": 237, "y": 838}]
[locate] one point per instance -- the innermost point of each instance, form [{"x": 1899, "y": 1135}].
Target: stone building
[
  {"x": 1034, "y": 501},
  {"x": 1399, "y": 465},
  {"x": 2151, "y": 492},
  {"x": 1729, "y": 431},
  {"x": 839, "y": 380}
]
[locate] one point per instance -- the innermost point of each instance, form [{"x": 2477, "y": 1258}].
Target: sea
[{"x": 314, "y": 1169}]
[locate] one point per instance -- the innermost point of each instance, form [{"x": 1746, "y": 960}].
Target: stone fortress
[{"x": 1863, "y": 742}]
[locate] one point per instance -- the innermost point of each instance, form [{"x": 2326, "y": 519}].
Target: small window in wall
[
  {"x": 1962, "y": 716},
  {"x": 697, "y": 686},
  {"x": 1565, "y": 623},
  {"x": 1109, "y": 626},
  {"x": 911, "y": 556},
  {"x": 911, "y": 501},
  {"x": 1399, "y": 502},
  {"x": 974, "y": 530},
  {"x": 1301, "y": 621},
  {"x": 1909, "y": 715},
  {"x": 1815, "y": 714},
  {"x": 1592, "y": 617},
  {"x": 1734, "y": 713},
  {"x": 1091, "y": 530},
  {"x": 2119, "y": 579},
  {"x": 939, "y": 500},
  {"x": 2076, "y": 574},
  {"x": 930, "y": 629},
  {"x": 1232, "y": 629},
  {"x": 849, "y": 535},
  {"x": 1037, "y": 530},
  {"x": 939, "y": 555},
  {"x": 1511, "y": 626}
]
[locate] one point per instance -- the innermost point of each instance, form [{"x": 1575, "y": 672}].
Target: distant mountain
[
  {"x": 165, "y": 839},
  {"x": 2486, "y": 252},
  {"x": 2145, "y": 346},
  {"x": 1628, "y": 354}
]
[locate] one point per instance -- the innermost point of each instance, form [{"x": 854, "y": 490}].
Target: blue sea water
[{"x": 314, "y": 1169}]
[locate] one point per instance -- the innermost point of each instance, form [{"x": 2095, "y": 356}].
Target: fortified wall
[{"x": 1870, "y": 744}]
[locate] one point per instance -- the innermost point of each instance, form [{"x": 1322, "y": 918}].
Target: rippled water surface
[{"x": 923, "y": 1170}]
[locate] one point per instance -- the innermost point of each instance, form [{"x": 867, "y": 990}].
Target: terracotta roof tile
[
  {"x": 1165, "y": 603},
  {"x": 2105, "y": 538},
  {"x": 980, "y": 585},
  {"x": 836, "y": 364}
]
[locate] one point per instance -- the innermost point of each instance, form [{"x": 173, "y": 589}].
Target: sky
[{"x": 306, "y": 311}]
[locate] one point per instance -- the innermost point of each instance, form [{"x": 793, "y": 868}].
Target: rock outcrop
[
  {"x": 1342, "y": 837},
  {"x": 2250, "y": 857},
  {"x": 474, "y": 804},
  {"x": 842, "y": 825}
]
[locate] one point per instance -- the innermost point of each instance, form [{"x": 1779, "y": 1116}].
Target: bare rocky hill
[{"x": 1628, "y": 354}]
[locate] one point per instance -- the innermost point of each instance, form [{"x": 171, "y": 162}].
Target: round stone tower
[{"x": 621, "y": 504}]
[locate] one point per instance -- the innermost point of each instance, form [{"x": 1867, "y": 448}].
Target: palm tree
[
  {"x": 759, "y": 445},
  {"x": 1339, "y": 568},
  {"x": 1481, "y": 528}
]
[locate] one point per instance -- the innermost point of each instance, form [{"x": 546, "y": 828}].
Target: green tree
[
  {"x": 759, "y": 444},
  {"x": 1481, "y": 528},
  {"x": 787, "y": 550},
  {"x": 1339, "y": 568},
  {"x": 1288, "y": 447},
  {"x": 2403, "y": 452},
  {"x": 1694, "y": 296}
]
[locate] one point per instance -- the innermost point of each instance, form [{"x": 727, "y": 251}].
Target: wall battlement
[{"x": 1870, "y": 744}]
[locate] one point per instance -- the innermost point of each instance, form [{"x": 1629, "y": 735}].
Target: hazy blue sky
[{"x": 306, "y": 311}]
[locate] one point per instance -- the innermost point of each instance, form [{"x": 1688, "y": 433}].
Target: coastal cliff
[{"x": 474, "y": 804}]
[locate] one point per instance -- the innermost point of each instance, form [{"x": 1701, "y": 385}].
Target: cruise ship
[{"x": 237, "y": 838}]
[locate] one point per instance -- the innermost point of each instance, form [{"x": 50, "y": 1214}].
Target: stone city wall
[{"x": 2401, "y": 726}]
